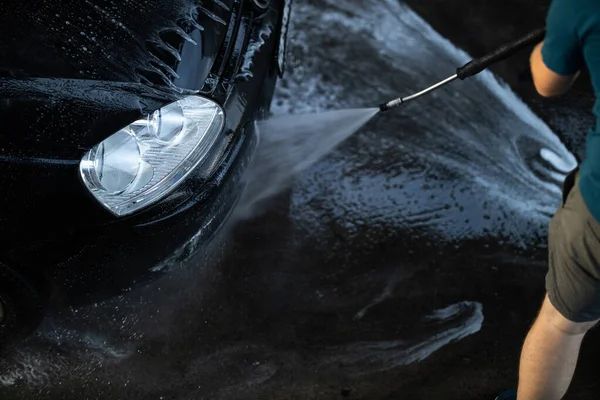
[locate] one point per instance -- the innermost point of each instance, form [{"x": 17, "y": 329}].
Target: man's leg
[
  {"x": 550, "y": 355},
  {"x": 572, "y": 303}
]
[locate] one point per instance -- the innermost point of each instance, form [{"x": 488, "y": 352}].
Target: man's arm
[
  {"x": 557, "y": 61},
  {"x": 547, "y": 82}
]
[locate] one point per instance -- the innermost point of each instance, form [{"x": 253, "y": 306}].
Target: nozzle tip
[{"x": 384, "y": 107}]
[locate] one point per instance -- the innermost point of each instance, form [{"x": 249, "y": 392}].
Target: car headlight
[{"x": 146, "y": 160}]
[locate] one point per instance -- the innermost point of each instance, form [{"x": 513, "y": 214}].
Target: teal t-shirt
[{"x": 572, "y": 42}]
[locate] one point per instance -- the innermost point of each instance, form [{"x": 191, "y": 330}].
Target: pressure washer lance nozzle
[
  {"x": 392, "y": 104},
  {"x": 398, "y": 102}
]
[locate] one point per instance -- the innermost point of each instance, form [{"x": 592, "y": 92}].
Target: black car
[{"x": 126, "y": 129}]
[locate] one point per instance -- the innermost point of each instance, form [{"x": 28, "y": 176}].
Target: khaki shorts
[{"x": 573, "y": 279}]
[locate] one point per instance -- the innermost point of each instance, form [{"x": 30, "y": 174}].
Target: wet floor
[{"x": 407, "y": 263}]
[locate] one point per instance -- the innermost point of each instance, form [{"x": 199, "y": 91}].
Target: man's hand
[{"x": 547, "y": 82}]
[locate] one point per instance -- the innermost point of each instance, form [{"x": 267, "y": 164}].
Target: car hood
[
  {"x": 139, "y": 41},
  {"x": 58, "y": 117}
]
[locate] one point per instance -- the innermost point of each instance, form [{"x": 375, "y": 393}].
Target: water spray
[{"x": 475, "y": 66}]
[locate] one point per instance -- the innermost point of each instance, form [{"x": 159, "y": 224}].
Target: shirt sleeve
[{"x": 562, "y": 50}]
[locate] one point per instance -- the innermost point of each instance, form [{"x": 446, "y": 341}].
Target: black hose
[{"x": 503, "y": 52}]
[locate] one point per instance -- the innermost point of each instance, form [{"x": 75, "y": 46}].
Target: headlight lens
[
  {"x": 146, "y": 160},
  {"x": 117, "y": 162}
]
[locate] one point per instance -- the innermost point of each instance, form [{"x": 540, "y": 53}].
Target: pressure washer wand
[{"x": 475, "y": 66}]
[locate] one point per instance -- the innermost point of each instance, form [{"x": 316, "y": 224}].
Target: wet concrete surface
[{"x": 408, "y": 263}]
